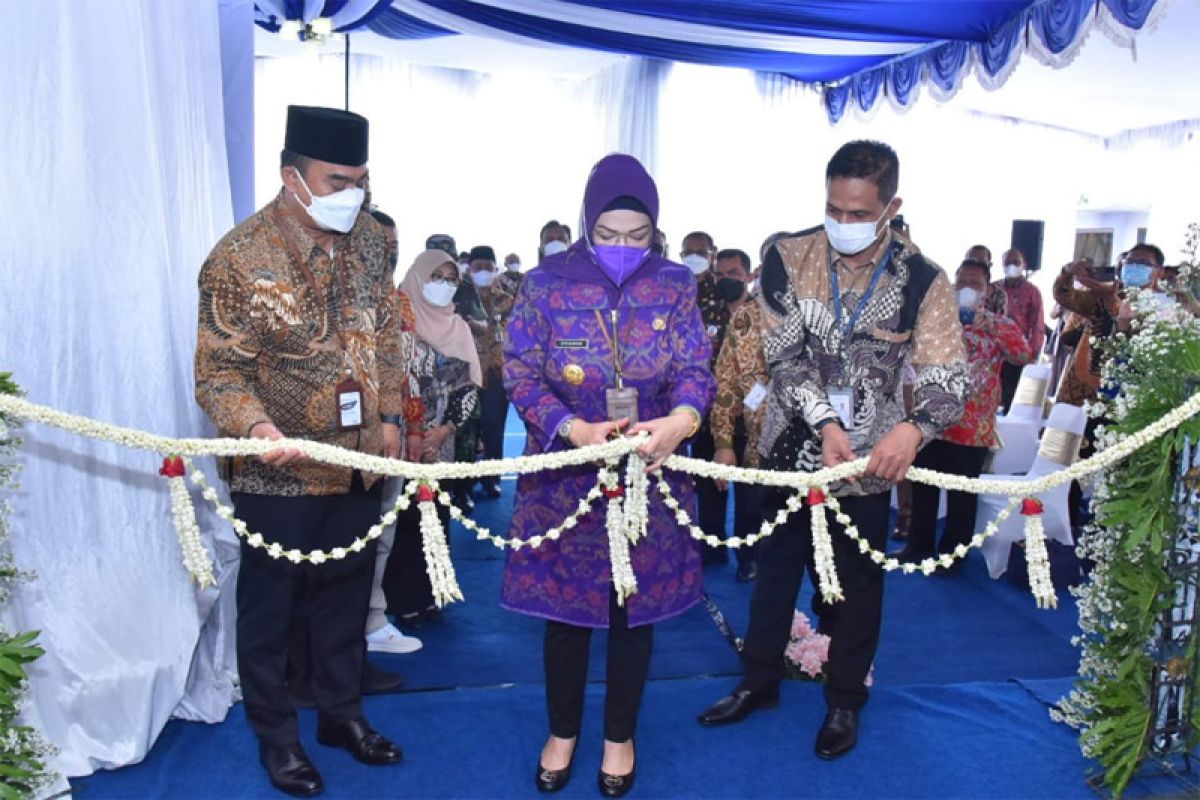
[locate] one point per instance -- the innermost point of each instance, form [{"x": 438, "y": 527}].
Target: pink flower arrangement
[{"x": 808, "y": 651}]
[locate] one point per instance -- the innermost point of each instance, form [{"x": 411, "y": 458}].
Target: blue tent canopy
[{"x": 856, "y": 51}]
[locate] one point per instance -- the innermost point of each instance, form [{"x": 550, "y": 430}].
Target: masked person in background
[
  {"x": 736, "y": 416},
  {"x": 1024, "y": 304},
  {"x": 697, "y": 253},
  {"x": 444, "y": 242},
  {"x": 991, "y": 340},
  {"x": 298, "y": 337},
  {"x": 466, "y": 439},
  {"x": 601, "y": 333},
  {"x": 554, "y": 238},
  {"x": 446, "y": 370},
  {"x": 497, "y": 305},
  {"x": 510, "y": 278},
  {"x": 845, "y": 305}
]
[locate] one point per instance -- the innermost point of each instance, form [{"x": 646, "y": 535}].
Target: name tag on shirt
[
  {"x": 571, "y": 344},
  {"x": 755, "y": 397},
  {"x": 350, "y": 402},
  {"x": 842, "y": 400}
]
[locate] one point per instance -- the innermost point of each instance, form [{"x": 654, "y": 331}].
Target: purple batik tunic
[{"x": 665, "y": 356}]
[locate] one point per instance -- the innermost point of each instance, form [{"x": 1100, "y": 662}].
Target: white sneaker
[{"x": 389, "y": 640}]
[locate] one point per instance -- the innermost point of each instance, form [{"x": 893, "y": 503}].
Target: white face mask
[
  {"x": 967, "y": 297},
  {"x": 1013, "y": 271},
  {"x": 851, "y": 238},
  {"x": 553, "y": 248},
  {"x": 484, "y": 278},
  {"x": 513, "y": 266},
  {"x": 333, "y": 212},
  {"x": 697, "y": 263},
  {"x": 439, "y": 294},
  {"x": 463, "y": 266}
]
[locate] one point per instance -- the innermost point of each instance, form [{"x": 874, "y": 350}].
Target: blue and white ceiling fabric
[{"x": 856, "y": 52}]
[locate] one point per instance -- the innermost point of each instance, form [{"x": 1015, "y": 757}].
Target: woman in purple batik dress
[{"x": 559, "y": 361}]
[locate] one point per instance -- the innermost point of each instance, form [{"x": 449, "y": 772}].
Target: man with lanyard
[
  {"x": 845, "y": 306},
  {"x": 299, "y": 338}
]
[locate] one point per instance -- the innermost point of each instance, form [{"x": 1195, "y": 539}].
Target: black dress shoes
[
  {"x": 360, "y": 740},
  {"x": 290, "y": 770},
  {"x": 377, "y": 680},
  {"x": 838, "y": 734},
  {"x": 737, "y": 706}
]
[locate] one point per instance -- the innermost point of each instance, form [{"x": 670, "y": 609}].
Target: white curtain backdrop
[
  {"x": 740, "y": 160},
  {"x": 487, "y": 158},
  {"x": 113, "y": 168}
]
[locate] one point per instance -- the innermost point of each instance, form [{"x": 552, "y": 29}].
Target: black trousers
[
  {"x": 709, "y": 501},
  {"x": 852, "y": 624},
  {"x": 747, "y": 506},
  {"x": 955, "y": 459},
  {"x": 276, "y": 597},
  {"x": 1010, "y": 376},
  {"x": 565, "y": 652},
  {"x": 493, "y": 401},
  {"x": 406, "y": 577}
]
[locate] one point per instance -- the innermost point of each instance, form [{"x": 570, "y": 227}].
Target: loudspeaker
[{"x": 1027, "y": 237}]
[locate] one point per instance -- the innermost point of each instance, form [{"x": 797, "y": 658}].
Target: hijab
[
  {"x": 443, "y": 329},
  {"x": 616, "y": 181}
]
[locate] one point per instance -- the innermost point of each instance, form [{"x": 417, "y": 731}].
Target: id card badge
[
  {"x": 842, "y": 400},
  {"x": 622, "y": 404},
  {"x": 349, "y": 405},
  {"x": 755, "y": 397}
]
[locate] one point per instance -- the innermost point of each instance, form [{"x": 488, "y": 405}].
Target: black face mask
[{"x": 730, "y": 289}]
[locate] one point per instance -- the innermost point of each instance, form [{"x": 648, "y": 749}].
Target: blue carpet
[{"x": 965, "y": 669}]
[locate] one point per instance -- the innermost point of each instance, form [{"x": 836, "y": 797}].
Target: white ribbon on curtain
[{"x": 119, "y": 192}]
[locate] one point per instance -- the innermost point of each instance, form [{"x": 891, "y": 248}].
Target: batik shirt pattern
[
  {"x": 912, "y": 315},
  {"x": 269, "y": 350},
  {"x": 740, "y": 365},
  {"x": 991, "y": 340}
]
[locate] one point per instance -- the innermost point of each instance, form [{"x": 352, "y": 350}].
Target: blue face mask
[{"x": 1136, "y": 275}]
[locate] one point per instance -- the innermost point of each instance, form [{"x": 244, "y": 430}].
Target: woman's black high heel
[{"x": 551, "y": 780}]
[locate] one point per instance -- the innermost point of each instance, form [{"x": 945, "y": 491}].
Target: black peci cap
[{"x": 327, "y": 134}]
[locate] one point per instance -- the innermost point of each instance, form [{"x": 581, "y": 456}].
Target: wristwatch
[
  {"x": 820, "y": 428},
  {"x": 391, "y": 419},
  {"x": 564, "y": 429}
]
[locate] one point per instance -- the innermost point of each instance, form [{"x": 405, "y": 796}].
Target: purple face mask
[{"x": 619, "y": 261}]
